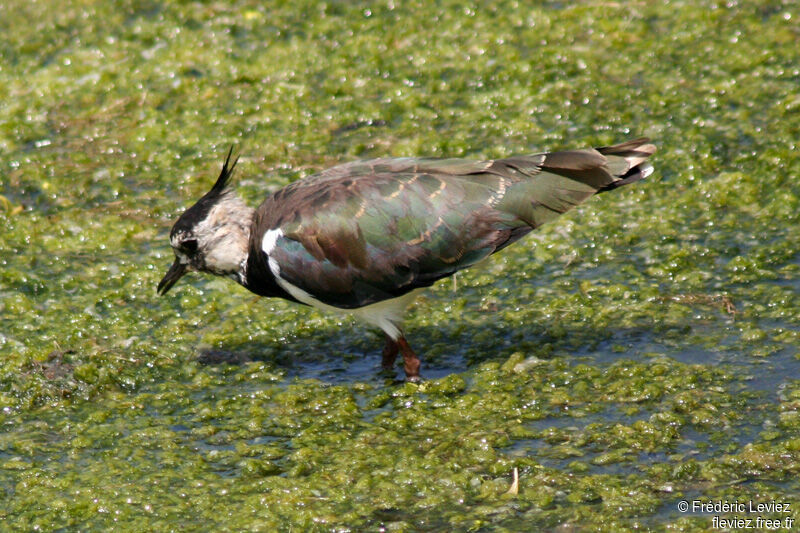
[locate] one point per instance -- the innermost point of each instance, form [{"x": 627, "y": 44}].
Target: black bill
[{"x": 172, "y": 276}]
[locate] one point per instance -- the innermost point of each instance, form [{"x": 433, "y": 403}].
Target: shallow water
[{"x": 639, "y": 351}]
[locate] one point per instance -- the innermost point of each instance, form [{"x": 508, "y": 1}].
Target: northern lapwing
[{"x": 365, "y": 237}]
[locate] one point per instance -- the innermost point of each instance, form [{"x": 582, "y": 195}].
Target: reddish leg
[
  {"x": 410, "y": 360},
  {"x": 389, "y": 353}
]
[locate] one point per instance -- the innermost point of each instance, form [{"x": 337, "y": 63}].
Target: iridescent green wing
[{"x": 368, "y": 231}]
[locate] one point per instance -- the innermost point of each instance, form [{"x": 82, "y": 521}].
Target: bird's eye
[{"x": 189, "y": 246}]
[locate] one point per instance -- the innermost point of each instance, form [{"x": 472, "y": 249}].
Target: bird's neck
[
  {"x": 228, "y": 228},
  {"x": 240, "y": 245}
]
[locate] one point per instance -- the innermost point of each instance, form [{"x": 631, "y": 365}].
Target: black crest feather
[
  {"x": 199, "y": 211},
  {"x": 225, "y": 175}
]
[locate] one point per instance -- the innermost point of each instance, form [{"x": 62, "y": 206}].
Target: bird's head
[{"x": 212, "y": 235}]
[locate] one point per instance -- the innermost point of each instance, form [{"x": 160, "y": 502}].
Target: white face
[
  {"x": 217, "y": 244},
  {"x": 212, "y": 235}
]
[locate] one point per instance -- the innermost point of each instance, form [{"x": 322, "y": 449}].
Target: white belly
[{"x": 386, "y": 315}]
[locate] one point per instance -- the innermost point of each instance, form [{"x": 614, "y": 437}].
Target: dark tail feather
[
  {"x": 561, "y": 180},
  {"x": 628, "y": 161}
]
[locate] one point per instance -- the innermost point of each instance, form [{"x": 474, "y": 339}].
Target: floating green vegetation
[{"x": 639, "y": 352}]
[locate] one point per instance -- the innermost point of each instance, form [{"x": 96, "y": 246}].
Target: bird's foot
[{"x": 411, "y": 362}]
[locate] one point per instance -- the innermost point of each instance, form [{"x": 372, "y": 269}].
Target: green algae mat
[{"x": 635, "y": 363}]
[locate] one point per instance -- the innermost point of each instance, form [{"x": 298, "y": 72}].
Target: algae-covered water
[{"x": 639, "y": 353}]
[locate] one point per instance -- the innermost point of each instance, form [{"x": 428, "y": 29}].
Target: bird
[{"x": 366, "y": 237}]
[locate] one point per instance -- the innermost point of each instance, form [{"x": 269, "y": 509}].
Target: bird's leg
[
  {"x": 410, "y": 360},
  {"x": 389, "y": 353}
]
